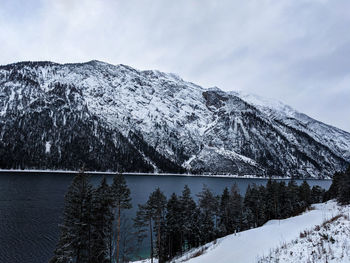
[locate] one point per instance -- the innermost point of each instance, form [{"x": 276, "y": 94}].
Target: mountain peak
[{"x": 120, "y": 118}]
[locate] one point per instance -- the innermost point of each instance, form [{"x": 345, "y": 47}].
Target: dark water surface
[{"x": 31, "y": 207}]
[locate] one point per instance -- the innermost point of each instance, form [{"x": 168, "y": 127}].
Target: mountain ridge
[{"x": 134, "y": 120}]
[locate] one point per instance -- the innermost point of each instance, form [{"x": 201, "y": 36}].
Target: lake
[{"x": 31, "y": 206}]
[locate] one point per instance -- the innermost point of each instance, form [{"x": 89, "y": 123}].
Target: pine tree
[
  {"x": 75, "y": 241},
  {"x": 157, "y": 203},
  {"x": 152, "y": 215},
  {"x": 261, "y": 205},
  {"x": 127, "y": 246},
  {"x": 102, "y": 222},
  {"x": 189, "y": 217},
  {"x": 208, "y": 204},
  {"x": 305, "y": 194},
  {"x": 272, "y": 201},
  {"x": 173, "y": 227},
  {"x": 224, "y": 213},
  {"x": 122, "y": 200},
  {"x": 333, "y": 190},
  {"x": 248, "y": 204},
  {"x": 143, "y": 222},
  {"x": 344, "y": 188},
  {"x": 255, "y": 204},
  {"x": 293, "y": 198},
  {"x": 317, "y": 194},
  {"x": 283, "y": 200},
  {"x": 236, "y": 209}
]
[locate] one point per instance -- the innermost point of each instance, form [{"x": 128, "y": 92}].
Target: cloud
[{"x": 294, "y": 51}]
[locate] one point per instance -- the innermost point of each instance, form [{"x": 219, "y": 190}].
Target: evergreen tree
[
  {"x": 152, "y": 215},
  {"x": 189, "y": 220},
  {"x": 254, "y": 202},
  {"x": 261, "y": 205},
  {"x": 127, "y": 247},
  {"x": 294, "y": 205},
  {"x": 103, "y": 217},
  {"x": 317, "y": 194},
  {"x": 333, "y": 190},
  {"x": 195, "y": 237},
  {"x": 75, "y": 241},
  {"x": 231, "y": 211},
  {"x": 272, "y": 199},
  {"x": 248, "y": 204},
  {"x": 122, "y": 200},
  {"x": 224, "y": 213},
  {"x": 283, "y": 200},
  {"x": 305, "y": 194},
  {"x": 344, "y": 188},
  {"x": 143, "y": 222},
  {"x": 157, "y": 203},
  {"x": 208, "y": 204},
  {"x": 173, "y": 227},
  {"x": 235, "y": 210}
]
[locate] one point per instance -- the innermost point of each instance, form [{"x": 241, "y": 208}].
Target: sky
[{"x": 297, "y": 52}]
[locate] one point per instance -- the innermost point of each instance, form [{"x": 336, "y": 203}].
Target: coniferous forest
[
  {"x": 89, "y": 232},
  {"x": 94, "y": 229}
]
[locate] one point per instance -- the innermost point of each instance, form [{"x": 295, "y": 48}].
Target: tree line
[
  {"x": 93, "y": 231},
  {"x": 340, "y": 188},
  {"x": 89, "y": 233},
  {"x": 178, "y": 224}
]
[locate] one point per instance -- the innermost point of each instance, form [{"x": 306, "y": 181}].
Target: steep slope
[
  {"x": 335, "y": 139},
  {"x": 116, "y": 117}
]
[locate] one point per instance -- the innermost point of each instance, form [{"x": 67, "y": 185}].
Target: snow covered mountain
[{"x": 118, "y": 118}]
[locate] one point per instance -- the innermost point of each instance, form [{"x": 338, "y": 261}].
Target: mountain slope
[
  {"x": 118, "y": 118},
  {"x": 335, "y": 139}
]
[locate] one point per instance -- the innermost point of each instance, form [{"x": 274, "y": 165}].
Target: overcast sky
[{"x": 295, "y": 51}]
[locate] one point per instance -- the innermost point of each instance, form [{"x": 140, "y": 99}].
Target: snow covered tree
[
  {"x": 75, "y": 241},
  {"x": 122, "y": 200}
]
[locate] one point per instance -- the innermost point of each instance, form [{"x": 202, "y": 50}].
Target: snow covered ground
[
  {"x": 329, "y": 242},
  {"x": 251, "y": 245}
]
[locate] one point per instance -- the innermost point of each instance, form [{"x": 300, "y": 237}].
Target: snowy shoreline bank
[
  {"x": 250, "y": 245},
  {"x": 38, "y": 171}
]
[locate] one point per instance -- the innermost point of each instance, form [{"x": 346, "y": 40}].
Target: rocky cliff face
[{"x": 55, "y": 116}]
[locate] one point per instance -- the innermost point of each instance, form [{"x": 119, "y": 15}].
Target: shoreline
[{"x": 233, "y": 176}]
